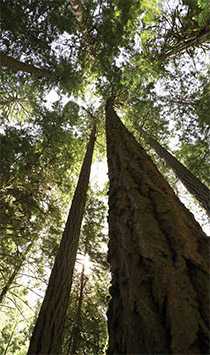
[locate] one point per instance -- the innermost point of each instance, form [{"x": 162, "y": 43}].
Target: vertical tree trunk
[
  {"x": 191, "y": 182},
  {"x": 15, "y": 65},
  {"x": 159, "y": 257},
  {"x": 48, "y": 331},
  {"x": 75, "y": 336}
]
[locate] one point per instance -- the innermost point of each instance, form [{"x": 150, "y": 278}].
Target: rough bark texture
[
  {"x": 16, "y": 66},
  {"x": 159, "y": 258},
  {"x": 48, "y": 332},
  {"x": 191, "y": 182}
]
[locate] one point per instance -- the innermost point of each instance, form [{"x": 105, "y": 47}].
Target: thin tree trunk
[
  {"x": 15, "y": 273},
  {"x": 16, "y": 66},
  {"x": 75, "y": 337},
  {"x": 191, "y": 182},
  {"x": 159, "y": 257},
  {"x": 48, "y": 331},
  {"x": 203, "y": 36}
]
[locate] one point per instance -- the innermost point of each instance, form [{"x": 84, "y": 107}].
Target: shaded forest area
[{"x": 104, "y": 177}]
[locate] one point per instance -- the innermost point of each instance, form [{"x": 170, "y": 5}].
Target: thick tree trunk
[
  {"x": 48, "y": 332},
  {"x": 159, "y": 257},
  {"x": 15, "y": 65},
  {"x": 14, "y": 274},
  {"x": 75, "y": 336},
  {"x": 191, "y": 182}
]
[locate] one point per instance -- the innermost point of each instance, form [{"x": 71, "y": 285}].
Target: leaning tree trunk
[
  {"x": 191, "y": 182},
  {"x": 159, "y": 257},
  {"x": 16, "y": 66},
  {"x": 48, "y": 331},
  {"x": 183, "y": 44}
]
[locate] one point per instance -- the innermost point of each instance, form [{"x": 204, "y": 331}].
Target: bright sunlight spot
[
  {"x": 99, "y": 174},
  {"x": 84, "y": 261}
]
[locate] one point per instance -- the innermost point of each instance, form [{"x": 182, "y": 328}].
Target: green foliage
[
  {"x": 196, "y": 156},
  {"x": 92, "y": 322},
  {"x": 202, "y": 105},
  {"x": 201, "y": 11},
  {"x": 177, "y": 29},
  {"x": 151, "y": 9}
]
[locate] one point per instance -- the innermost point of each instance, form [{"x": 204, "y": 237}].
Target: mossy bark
[
  {"x": 159, "y": 257},
  {"x": 15, "y": 65},
  {"x": 48, "y": 331},
  {"x": 191, "y": 182}
]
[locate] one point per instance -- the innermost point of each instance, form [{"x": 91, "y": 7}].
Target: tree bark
[
  {"x": 159, "y": 257},
  {"x": 191, "y": 182},
  {"x": 48, "y": 331},
  {"x": 16, "y": 66},
  {"x": 75, "y": 336}
]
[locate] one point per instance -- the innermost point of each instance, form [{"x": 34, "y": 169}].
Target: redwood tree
[
  {"x": 190, "y": 181},
  {"x": 48, "y": 331},
  {"x": 159, "y": 257}
]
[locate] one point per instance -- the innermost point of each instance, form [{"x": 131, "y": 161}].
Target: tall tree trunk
[
  {"x": 16, "y": 66},
  {"x": 15, "y": 272},
  {"x": 191, "y": 182},
  {"x": 159, "y": 257},
  {"x": 75, "y": 336},
  {"x": 48, "y": 331}
]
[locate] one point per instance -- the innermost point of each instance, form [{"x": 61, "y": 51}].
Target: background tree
[
  {"x": 194, "y": 185},
  {"x": 88, "y": 334},
  {"x": 57, "y": 294}
]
